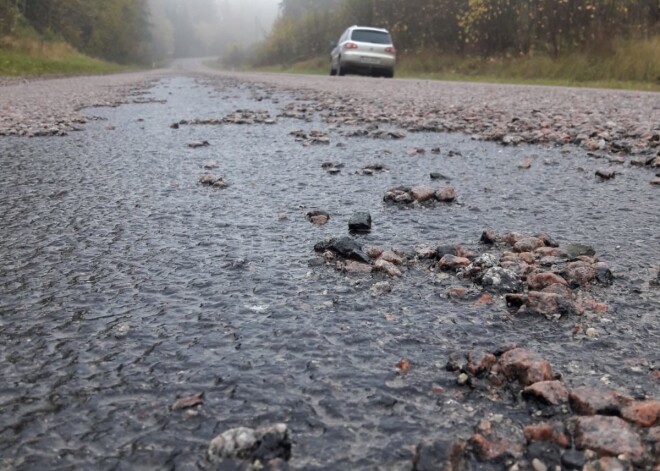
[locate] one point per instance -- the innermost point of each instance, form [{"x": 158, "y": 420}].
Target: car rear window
[{"x": 367, "y": 36}]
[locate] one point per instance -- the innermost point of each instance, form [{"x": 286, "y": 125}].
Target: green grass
[
  {"x": 23, "y": 57},
  {"x": 632, "y": 65}
]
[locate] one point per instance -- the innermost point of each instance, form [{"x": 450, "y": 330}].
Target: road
[{"x": 143, "y": 313}]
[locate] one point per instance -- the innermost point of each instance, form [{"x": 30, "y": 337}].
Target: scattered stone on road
[
  {"x": 360, "y": 222},
  {"x": 243, "y": 444},
  {"x": 318, "y": 217},
  {"x": 198, "y": 144}
]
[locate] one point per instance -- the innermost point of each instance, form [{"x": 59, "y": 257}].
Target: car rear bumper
[{"x": 366, "y": 61}]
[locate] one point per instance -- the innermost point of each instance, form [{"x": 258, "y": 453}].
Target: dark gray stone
[
  {"x": 546, "y": 452},
  {"x": 573, "y": 459},
  {"x": 439, "y": 176},
  {"x": 443, "y": 250},
  {"x": 344, "y": 247},
  {"x": 348, "y": 248},
  {"x": 656, "y": 280},
  {"x": 377, "y": 167},
  {"x": 443, "y": 454},
  {"x": 360, "y": 222},
  {"x": 331, "y": 165},
  {"x": 457, "y": 362},
  {"x": 604, "y": 275},
  {"x": 488, "y": 237},
  {"x": 323, "y": 245}
]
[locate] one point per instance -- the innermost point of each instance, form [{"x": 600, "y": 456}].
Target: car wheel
[
  {"x": 333, "y": 71},
  {"x": 389, "y": 74},
  {"x": 341, "y": 71}
]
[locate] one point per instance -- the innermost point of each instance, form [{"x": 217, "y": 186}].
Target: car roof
[{"x": 370, "y": 28}]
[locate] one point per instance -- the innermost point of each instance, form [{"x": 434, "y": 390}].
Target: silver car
[{"x": 363, "y": 50}]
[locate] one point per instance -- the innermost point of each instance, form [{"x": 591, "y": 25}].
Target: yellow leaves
[{"x": 472, "y": 26}]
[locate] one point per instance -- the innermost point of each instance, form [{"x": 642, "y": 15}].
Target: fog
[
  {"x": 186, "y": 28},
  {"x": 247, "y": 20}
]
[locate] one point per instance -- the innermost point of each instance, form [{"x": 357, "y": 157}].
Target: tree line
[
  {"x": 116, "y": 30},
  {"x": 122, "y": 31},
  {"x": 305, "y": 28}
]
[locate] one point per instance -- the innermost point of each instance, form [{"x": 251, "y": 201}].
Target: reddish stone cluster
[
  {"x": 550, "y": 275},
  {"x": 419, "y": 194},
  {"x": 386, "y": 261},
  {"x": 533, "y": 274},
  {"x": 604, "y": 428}
]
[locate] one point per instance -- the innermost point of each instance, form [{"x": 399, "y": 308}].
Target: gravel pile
[
  {"x": 621, "y": 122},
  {"x": 616, "y": 121},
  {"x": 45, "y": 107}
]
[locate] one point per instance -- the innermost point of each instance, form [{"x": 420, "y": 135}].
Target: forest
[
  {"x": 139, "y": 31},
  {"x": 115, "y": 30},
  {"x": 575, "y": 39},
  {"x": 485, "y": 28}
]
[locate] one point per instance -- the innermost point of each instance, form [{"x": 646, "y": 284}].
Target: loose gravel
[
  {"x": 152, "y": 321},
  {"x": 614, "y": 121},
  {"x": 41, "y": 107}
]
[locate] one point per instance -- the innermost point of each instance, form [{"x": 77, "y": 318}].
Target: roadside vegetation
[
  {"x": 613, "y": 43},
  {"x": 40, "y": 37},
  {"x": 35, "y": 57},
  {"x": 630, "y": 59}
]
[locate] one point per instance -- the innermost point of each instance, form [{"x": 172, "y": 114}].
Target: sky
[
  {"x": 201, "y": 27},
  {"x": 259, "y": 13}
]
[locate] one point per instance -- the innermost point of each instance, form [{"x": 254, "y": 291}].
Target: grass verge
[{"x": 28, "y": 56}]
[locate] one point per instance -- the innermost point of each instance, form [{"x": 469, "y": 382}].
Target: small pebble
[{"x": 538, "y": 465}]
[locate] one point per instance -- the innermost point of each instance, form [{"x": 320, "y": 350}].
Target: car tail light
[
  {"x": 390, "y": 50},
  {"x": 350, "y": 46}
]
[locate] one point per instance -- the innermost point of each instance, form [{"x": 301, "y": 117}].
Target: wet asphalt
[{"x": 126, "y": 284}]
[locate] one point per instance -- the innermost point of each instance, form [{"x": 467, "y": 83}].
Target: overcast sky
[
  {"x": 184, "y": 28},
  {"x": 264, "y": 10},
  {"x": 255, "y": 17}
]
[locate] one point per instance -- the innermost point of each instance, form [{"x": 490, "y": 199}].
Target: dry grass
[
  {"x": 38, "y": 48},
  {"x": 33, "y": 56},
  {"x": 632, "y": 65}
]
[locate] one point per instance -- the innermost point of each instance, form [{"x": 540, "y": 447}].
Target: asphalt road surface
[{"x": 143, "y": 312}]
